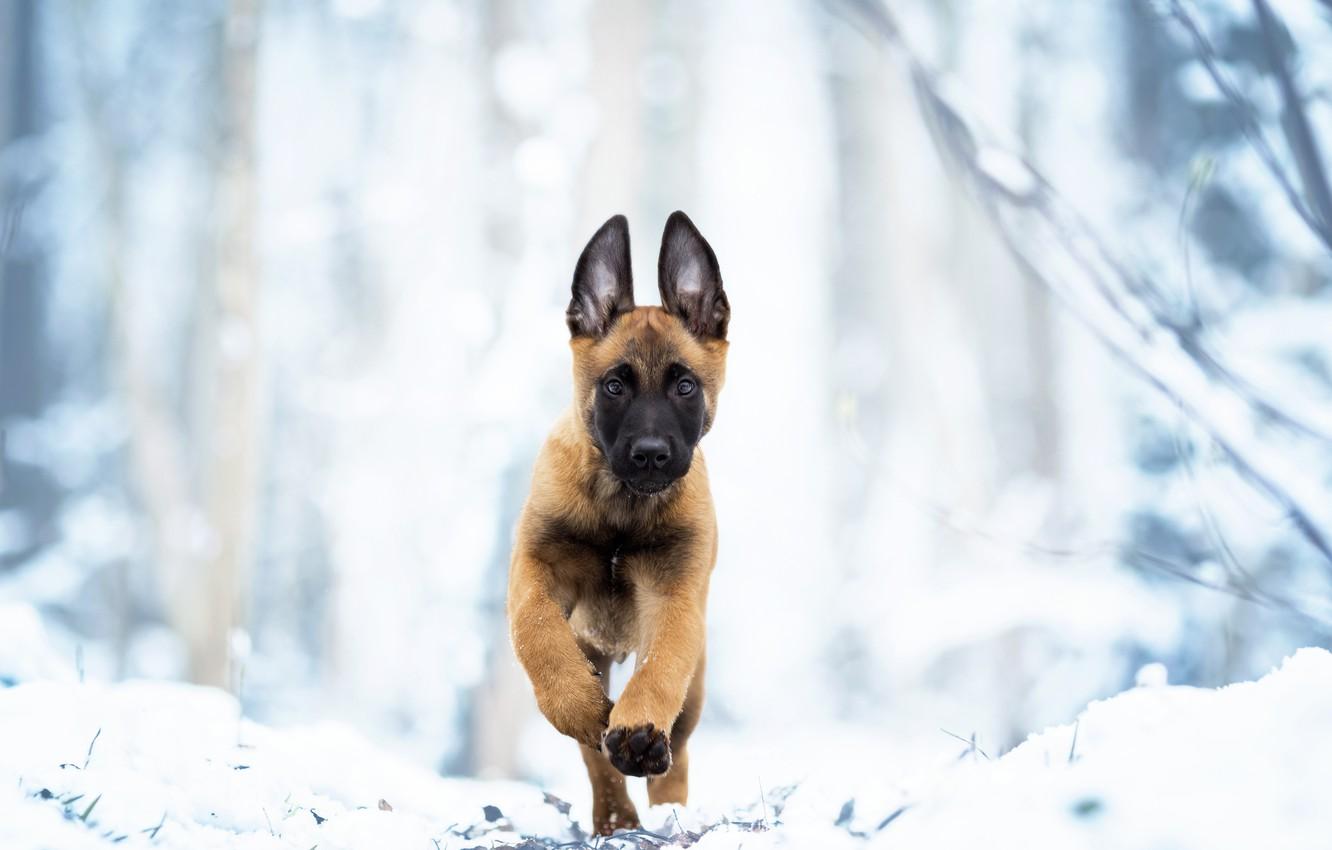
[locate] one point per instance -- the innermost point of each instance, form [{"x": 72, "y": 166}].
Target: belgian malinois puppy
[{"x": 618, "y": 537}]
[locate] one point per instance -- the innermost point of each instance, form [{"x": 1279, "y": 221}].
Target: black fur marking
[
  {"x": 607, "y": 541},
  {"x": 645, "y": 413},
  {"x": 613, "y": 549}
]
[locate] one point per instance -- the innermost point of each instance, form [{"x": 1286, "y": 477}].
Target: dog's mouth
[{"x": 646, "y": 488}]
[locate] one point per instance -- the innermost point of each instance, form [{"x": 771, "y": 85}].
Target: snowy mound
[
  {"x": 173, "y": 766},
  {"x": 1244, "y": 766}
]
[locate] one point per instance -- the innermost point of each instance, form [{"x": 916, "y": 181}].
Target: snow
[
  {"x": 182, "y": 756},
  {"x": 1241, "y": 766},
  {"x": 152, "y": 764}
]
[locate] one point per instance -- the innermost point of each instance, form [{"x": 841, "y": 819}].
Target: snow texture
[{"x": 142, "y": 764}]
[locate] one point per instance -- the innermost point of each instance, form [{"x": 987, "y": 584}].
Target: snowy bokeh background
[{"x": 281, "y": 332}]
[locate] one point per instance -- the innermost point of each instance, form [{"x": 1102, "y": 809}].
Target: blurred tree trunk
[
  {"x": 29, "y": 379},
  {"x": 495, "y": 708},
  {"x": 913, "y": 264},
  {"x": 870, "y": 382},
  {"x": 944, "y": 362},
  {"x": 156, "y": 450},
  {"x": 228, "y": 377},
  {"x": 500, "y": 703},
  {"x": 22, "y": 369},
  {"x": 1040, "y": 406},
  {"x": 197, "y": 486}
]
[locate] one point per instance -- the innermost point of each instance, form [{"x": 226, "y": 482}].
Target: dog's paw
[{"x": 638, "y": 750}]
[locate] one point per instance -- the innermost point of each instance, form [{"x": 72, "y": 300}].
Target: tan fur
[{"x": 575, "y": 604}]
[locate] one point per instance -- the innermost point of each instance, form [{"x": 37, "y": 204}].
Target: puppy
[{"x": 618, "y": 538}]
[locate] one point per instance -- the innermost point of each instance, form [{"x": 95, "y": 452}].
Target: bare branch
[
  {"x": 1295, "y": 121},
  {"x": 1122, "y": 308},
  {"x": 1302, "y": 145}
]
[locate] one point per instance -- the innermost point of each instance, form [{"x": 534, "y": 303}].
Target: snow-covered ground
[{"x": 146, "y": 764}]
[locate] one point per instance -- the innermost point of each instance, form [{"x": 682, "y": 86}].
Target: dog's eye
[
  {"x": 614, "y": 387},
  {"x": 685, "y": 387}
]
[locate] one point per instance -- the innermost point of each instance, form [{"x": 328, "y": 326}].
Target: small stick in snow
[
  {"x": 894, "y": 816},
  {"x": 153, "y": 830},
  {"x": 971, "y": 743},
  {"x": 91, "y": 744},
  {"x": 86, "y": 758},
  {"x": 88, "y": 811},
  {"x": 679, "y": 825}
]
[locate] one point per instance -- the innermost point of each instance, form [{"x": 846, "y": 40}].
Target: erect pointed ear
[
  {"x": 690, "y": 279},
  {"x": 603, "y": 284}
]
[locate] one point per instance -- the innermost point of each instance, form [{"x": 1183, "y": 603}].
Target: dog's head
[{"x": 646, "y": 379}]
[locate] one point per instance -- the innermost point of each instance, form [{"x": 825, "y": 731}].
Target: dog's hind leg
[
  {"x": 673, "y": 786},
  {"x": 611, "y": 807}
]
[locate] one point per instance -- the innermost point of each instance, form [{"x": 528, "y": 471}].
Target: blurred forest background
[{"x": 281, "y": 332}]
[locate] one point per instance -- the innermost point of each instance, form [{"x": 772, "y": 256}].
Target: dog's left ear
[
  {"x": 603, "y": 284},
  {"x": 690, "y": 279}
]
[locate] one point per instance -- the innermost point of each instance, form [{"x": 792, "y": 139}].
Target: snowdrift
[{"x": 173, "y": 766}]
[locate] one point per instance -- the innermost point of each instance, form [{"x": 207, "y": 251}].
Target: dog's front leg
[
  {"x": 568, "y": 691},
  {"x": 638, "y": 738}
]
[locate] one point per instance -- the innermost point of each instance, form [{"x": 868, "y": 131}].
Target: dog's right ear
[{"x": 603, "y": 284}]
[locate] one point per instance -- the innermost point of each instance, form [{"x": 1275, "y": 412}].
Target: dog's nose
[{"x": 650, "y": 453}]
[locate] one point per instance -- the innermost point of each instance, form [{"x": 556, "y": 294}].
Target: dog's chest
[{"x": 605, "y": 614}]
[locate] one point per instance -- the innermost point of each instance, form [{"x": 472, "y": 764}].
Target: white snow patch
[{"x": 1243, "y": 766}]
